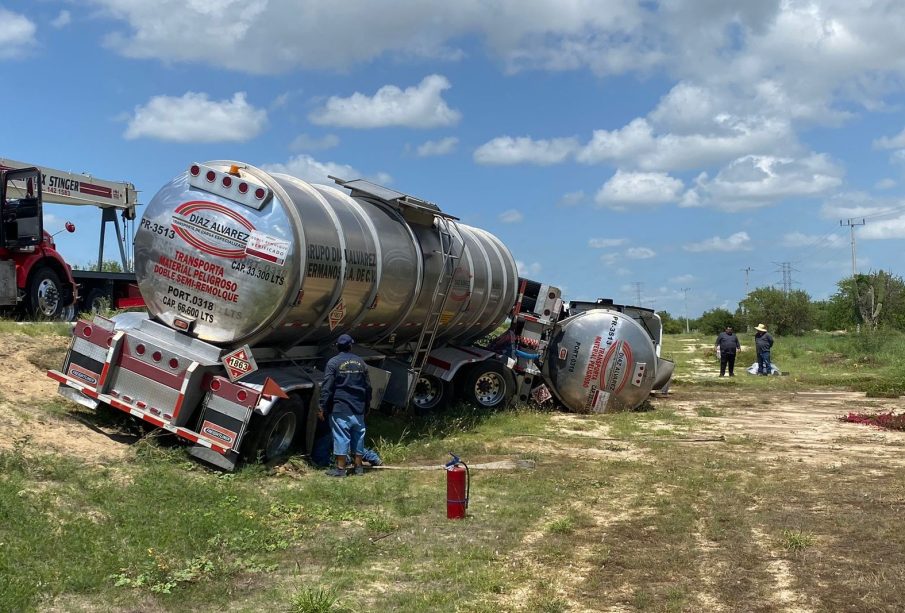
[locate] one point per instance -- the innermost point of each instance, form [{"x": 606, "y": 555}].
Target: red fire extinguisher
[{"x": 458, "y": 486}]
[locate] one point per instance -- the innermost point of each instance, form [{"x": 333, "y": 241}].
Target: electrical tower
[
  {"x": 851, "y": 223},
  {"x": 786, "y": 270},
  {"x": 638, "y": 285}
]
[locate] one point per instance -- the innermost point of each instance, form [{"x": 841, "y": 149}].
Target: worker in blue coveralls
[{"x": 345, "y": 395}]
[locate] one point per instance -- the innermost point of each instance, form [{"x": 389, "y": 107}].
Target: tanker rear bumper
[{"x": 90, "y": 395}]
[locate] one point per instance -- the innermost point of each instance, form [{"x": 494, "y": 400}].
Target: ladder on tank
[{"x": 438, "y": 301}]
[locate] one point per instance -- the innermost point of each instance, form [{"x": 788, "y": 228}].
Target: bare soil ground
[{"x": 25, "y": 392}]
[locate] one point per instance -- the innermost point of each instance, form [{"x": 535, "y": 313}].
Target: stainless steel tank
[
  {"x": 239, "y": 255},
  {"x": 600, "y": 361}
]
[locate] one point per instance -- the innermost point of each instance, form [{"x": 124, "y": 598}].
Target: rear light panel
[{"x": 241, "y": 189}]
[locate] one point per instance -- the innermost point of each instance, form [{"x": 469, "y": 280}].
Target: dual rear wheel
[{"x": 486, "y": 384}]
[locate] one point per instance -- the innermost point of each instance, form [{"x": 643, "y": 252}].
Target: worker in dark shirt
[
  {"x": 345, "y": 396},
  {"x": 727, "y": 346},
  {"x": 763, "y": 342}
]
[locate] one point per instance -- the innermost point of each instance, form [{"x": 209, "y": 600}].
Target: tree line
[{"x": 874, "y": 300}]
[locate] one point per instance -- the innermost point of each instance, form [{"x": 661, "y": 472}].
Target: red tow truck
[{"x": 35, "y": 280}]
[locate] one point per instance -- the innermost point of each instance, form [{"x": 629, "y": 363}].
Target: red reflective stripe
[
  {"x": 95, "y": 190},
  {"x": 440, "y": 363},
  {"x": 129, "y": 303}
]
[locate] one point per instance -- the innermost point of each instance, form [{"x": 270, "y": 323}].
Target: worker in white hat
[{"x": 763, "y": 342}]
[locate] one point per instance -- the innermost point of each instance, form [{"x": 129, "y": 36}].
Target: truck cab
[{"x": 32, "y": 274}]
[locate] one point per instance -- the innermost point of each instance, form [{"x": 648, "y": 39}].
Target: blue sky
[{"x": 617, "y": 148}]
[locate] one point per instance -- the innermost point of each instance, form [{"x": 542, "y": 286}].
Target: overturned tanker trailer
[
  {"x": 593, "y": 361},
  {"x": 250, "y": 276}
]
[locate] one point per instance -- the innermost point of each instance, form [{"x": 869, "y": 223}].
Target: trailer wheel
[
  {"x": 431, "y": 394},
  {"x": 44, "y": 296},
  {"x": 274, "y": 435},
  {"x": 488, "y": 384},
  {"x": 97, "y": 302}
]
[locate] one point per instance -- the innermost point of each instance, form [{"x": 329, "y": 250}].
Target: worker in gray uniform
[{"x": 727, "y": 345}]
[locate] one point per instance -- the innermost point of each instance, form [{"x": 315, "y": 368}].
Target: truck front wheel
[
  {"x": 274, "y": 435},
  {"x": 488, "y": 384},
  {"x": 44, "y": 295}
]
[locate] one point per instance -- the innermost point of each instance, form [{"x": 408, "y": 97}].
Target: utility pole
[
  {"x": 851, "y": 223},
  {"x": 746, "y": 270},
  {"x": 685, "y": 290}
]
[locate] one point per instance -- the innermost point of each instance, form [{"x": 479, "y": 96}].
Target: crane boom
[{"x": 62, "y": 187}]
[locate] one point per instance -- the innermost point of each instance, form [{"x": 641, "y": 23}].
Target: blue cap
[{"x": 344, "y": 340}]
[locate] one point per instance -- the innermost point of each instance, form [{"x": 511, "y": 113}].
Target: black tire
[
  {"x": 97, "y": 301},
  {"x": 431, "y": 394},
  {"x": 44, "y": 294},
  {"x": 488, "y": 384},
  {"x": 276, "y": 434}
]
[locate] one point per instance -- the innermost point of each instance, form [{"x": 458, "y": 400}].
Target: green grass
[
  {"x": 872, "y": 362},
  {"x": 583, "y": 529},
  {"x": 35, "y": 328}
]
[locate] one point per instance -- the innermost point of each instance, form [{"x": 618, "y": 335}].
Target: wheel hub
[
  {"x": 489, "y": 388},
  {"x": 48, "y": 297}
]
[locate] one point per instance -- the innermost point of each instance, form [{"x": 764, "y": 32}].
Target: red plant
[{"x": 890, "y": 420}]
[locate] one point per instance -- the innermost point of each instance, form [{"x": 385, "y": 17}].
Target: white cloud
[
  {"x": 194, "y": 118},
  {"x": 306, "y": 142},
  {"x": 604, "y": 243},
  {"x": 431, "y": 148},
  {"x": 638, "y": 188},
  {"x": 530, "y": 270},
  {"x": 755, "y": 181},
  {"x": 639, "y": 253},
  {"x": 800, "y": 239},
  {"x": 682, "y": 279},
  {"x": 420, "y": 106},
  {"x": 309, "y": 169},
  {"x": 727, "y": 137},
  {"x": 268, "y": 36},
  {"x": 571, "y": 199},
  {"x": 740, "y": 241},
  {"x": 525, "y": 150},
  {"x": 883, "y": 228},
  {"x": 891, "y": 142},
  {"x": 17, "y": 34},
  {"x": 511, "y": 216},
  {"x": 885, "y": 184},
  {"x": 62, "y": 20}
]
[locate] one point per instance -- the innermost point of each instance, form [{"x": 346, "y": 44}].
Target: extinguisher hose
[{"x": 467, "y": 483}]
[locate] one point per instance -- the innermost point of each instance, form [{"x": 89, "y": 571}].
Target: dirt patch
[
  {"x": 798, "y": 427},
  {"x": 26, "y": 393}
]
